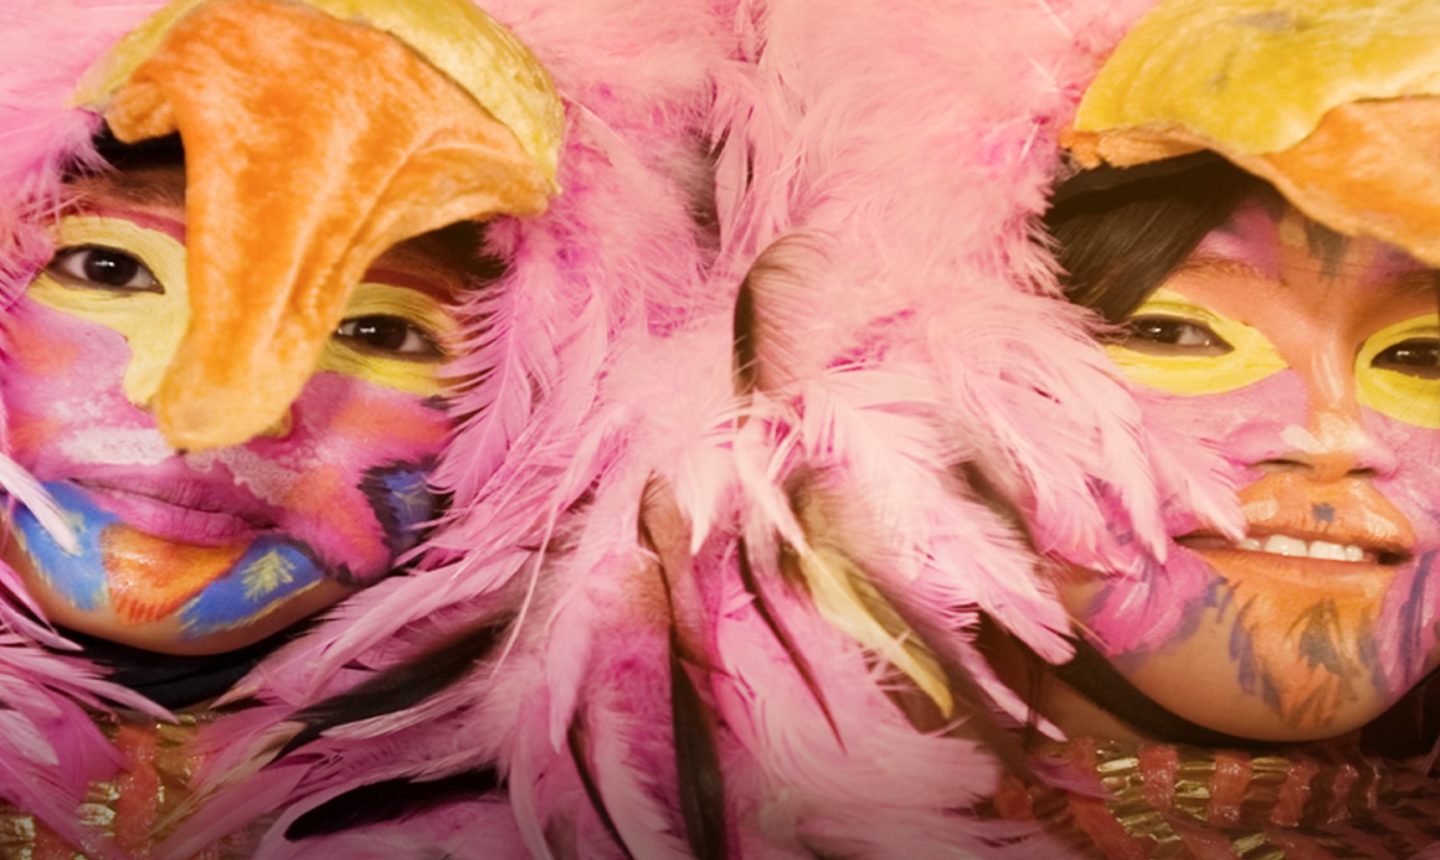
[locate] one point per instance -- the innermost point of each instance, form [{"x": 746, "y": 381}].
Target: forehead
[
  {"x": 1269, "y": 237},
  {"x": 154, "y": 186}
]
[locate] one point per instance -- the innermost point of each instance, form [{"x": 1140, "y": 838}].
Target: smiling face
[
  {"x": 1312, "y": 363},
  {"x": 206, "y": 552}
]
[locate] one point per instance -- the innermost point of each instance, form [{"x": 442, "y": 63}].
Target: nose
[
  {"x": 278, "y": 429},
  {"x": 1335, "y": 445},
  {"x": 1335, "y": 442}
]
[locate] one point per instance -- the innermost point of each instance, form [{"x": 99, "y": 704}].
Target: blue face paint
[
  {"x": 402, "y": 501},
  {"x": 80, "y": 577},
  {"x": 272, "y": 571}
]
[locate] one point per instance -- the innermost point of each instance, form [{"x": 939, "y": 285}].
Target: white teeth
[
  {"x": 1282, "y": 545},
  {"x": 1297, "y": 548},
  {"x": 1325, "y": 549}
]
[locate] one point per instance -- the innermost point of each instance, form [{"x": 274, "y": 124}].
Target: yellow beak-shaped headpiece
[
  {"x": 317, "y": 134},
  {"x": 1334, "y": 102}
]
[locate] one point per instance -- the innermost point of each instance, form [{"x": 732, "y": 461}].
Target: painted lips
[
  {"x": 181, "y": 507},
  {"x": 1288, "y": 516}
]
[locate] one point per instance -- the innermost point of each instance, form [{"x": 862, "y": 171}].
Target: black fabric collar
[
  {"x": 173, "y": 681},
  {"x": 1093, "y": 677}
]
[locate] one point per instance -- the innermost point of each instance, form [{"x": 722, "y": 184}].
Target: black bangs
[
  {"x": 166, "y": 151},
  {"x": 1120, "y": 232}
]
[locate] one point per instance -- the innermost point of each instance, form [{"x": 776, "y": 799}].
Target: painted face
[
  {"x": 205, "y": 552},
  {"x": 1312, "y": 362}
]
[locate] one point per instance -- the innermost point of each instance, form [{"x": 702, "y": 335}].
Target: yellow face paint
[
  {"x": 1251, "y": 357},
  {"x": 410, "y": 374},
  {"x": 153, "y": 321},
  {"x": 1402, "y": 396}
]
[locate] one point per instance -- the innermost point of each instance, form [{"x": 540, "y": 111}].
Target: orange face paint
[
  {"x": 1319, "y": 616},
  {"x": 151, "y": 578}
]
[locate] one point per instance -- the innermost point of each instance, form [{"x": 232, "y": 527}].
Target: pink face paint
[
  {"x": 340, "y": 496},
  {"x": 1248, "y": 237},
  {"x": 1330, "y": 599},
  {"x": 209, "y": 551}
]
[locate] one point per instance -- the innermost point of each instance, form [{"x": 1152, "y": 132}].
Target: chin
[
  {"x": 168, "y": 635},
  {"x": 1199, "y": 681}
]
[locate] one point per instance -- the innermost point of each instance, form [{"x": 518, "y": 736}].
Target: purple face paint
[{"x": 1325, "y": 611}]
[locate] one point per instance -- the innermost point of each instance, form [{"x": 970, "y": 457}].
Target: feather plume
[
  {"x": 580, "y": 756},
  {"x": 22, "y": 486},
  {"x": 845, "y": 597}
]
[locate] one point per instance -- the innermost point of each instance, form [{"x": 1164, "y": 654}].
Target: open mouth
[
  {"x": 1347, "y": 524},
  {"x": 1300, "y": 546}
]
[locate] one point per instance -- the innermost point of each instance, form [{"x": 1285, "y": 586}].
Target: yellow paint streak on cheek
[
  {"x": 413, "y": 374},
  {"x": 152, "y": 323}
]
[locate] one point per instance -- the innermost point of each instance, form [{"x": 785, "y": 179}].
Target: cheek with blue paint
[
  {"x": 1156, "y": 604},
  {"x": 205, "y": 552}
]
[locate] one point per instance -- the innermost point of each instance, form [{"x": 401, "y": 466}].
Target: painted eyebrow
[
  {"x": 1326, "y": 245},
  {"x": 1218, "y": 262}
]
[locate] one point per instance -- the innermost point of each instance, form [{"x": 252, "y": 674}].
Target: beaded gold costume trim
[
  {"x": 129, "y": 808},
  {"x": 1175, "y": 803}
]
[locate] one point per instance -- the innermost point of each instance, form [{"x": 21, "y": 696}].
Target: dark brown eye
[
  {"x": 380, "y": 334},
  {"x": 1166, "y": 335},
  {"x": 99, "y": 267},
  {"x": 1416, "y": 357}
]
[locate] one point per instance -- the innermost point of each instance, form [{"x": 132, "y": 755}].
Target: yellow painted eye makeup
[
  {"x": 152, "y": 320},
  {"x": 416, "y": 374},
  {"x": 1250, "y": 358},
  {"x": 1413, "y": 398},
  {"x": 152, "y": 315}
]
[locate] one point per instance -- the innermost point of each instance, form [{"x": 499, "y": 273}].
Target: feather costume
[
  {"x": 614, "y": 263},
  {"x": 928, "y": 432},
  {"x": 677, "y": 610}
]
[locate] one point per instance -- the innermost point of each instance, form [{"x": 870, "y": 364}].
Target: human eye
[
  {"x": 103, "y": 268},
  {"x": 1161, "y": 334},
  {"x": 1418, "y": 357},
  {"x": 388, "y": 335}
]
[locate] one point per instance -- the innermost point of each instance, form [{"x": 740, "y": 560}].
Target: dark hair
[{"x": 1120, "y": 232}]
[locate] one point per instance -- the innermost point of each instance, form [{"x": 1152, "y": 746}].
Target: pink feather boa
[{"x": 884, "y": 163}]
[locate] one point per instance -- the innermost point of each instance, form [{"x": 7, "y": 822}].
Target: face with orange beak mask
[
  {"x": 1311, "y": 362},
  {"x": 230, "y": 376},
  {"x": 212, "y": 549}
]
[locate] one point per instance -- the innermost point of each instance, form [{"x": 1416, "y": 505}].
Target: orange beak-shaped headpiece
[
  {"x": 1334, "y": 102},
  {"x": 317, "y": 134}
]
